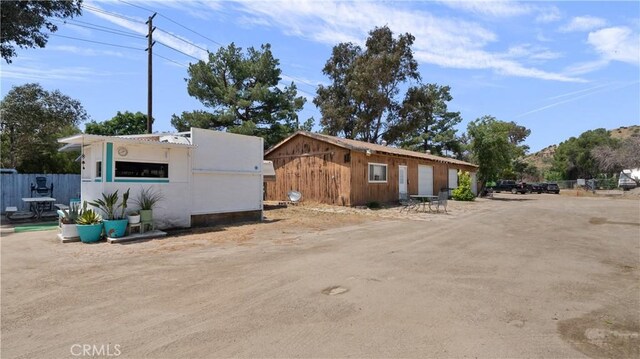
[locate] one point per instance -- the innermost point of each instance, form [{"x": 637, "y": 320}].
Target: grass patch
[{"x": 47, "y": 226}]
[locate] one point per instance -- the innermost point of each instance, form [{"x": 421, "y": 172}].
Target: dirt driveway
[{"x": 516, "y": 276}]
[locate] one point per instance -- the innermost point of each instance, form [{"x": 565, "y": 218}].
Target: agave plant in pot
[
  {"x": 89, "y": 225},
  {"x": 115, "y": 223},
  {"x": 68, "y": 221},
  {"x": 147, "y": 200}
]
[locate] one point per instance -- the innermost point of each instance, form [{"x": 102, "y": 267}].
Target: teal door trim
[{"x": 109, "y": 162}]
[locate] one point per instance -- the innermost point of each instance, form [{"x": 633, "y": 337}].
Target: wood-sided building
[{"x": 333, "y": 170}]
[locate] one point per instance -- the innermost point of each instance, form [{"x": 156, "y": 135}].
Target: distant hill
[{"x": 543, "y": 159}]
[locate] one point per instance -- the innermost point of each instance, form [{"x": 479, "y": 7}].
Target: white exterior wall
[
  {"x": 222, "y": 173},
  {"x": 174, "y": 210},
  {"x": 227, "y": 172}
]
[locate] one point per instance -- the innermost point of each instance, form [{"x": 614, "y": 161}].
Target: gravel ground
[{"x": 513, "y": 276}]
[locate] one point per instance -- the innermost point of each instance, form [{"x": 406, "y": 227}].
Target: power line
[
  {"x": 98, "y": 42},
  {"x": 95, "y": 9},
  {"x": 108, "y": 31},
  {"x": 103, "y": 27},
  {"x": 168, "y": 59},
  {"x": 174, "y": 49},
  {"x": 181, "y": 39},
  {"x": 175, "y": 22}
]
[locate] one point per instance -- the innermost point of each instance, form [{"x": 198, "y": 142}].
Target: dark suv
[
  {"x": 534, "y": 188},
  {"x": 550, "y": 187}
]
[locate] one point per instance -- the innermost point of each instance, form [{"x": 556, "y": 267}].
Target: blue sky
[{"x": 558, "y": 68}]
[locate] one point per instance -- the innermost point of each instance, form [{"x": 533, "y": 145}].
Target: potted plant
[
  {"x": 115, "y": 224},
  {"x": 68, "y": 220},
  {"x": 147, "y": 200},
  {"x": 89, "y": 225},
  {"x": 134, "y": 217}
]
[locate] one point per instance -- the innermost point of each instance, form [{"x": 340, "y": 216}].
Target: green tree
[
  {"x": 614, "y": 157},
  {"x": 22, "y": 22},
  {"x": 32, "y": 121},
  {"x": 127, "y": 123},
  {"x": 198, "y": 118},
  {"x": 244, "y": 94},
  {"x": 495, "y": 145},
  {"x": 573, "y": 158},
  {"x": 463, "y": 191},
  {"x": 362, "y": 101},
  {"x": 425, "y": 123}
]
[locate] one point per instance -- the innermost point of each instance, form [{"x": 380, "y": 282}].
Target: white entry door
[
  {"x": 453, "y": 179},
  {"x": 402, "y": 179},
  {"x": 474, "y": 183},
  {"x": 425, "y": 180}
]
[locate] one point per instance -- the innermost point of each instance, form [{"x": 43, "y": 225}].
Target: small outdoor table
[
  {"x": 36, "y": 205},
  {"x": 425, "y": 200}
]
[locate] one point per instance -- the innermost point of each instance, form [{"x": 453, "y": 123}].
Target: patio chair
[
  {"x": 443, "y": 197},
  {"x": 407, "y": 202},
  {"x": 42, "y": 190}
]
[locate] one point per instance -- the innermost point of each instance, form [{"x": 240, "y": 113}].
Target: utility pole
[{"x": 149, "y": 50}]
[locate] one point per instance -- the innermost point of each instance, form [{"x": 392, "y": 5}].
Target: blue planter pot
[
  {"x": 115, "y": 227},
  {"x": 89, "y": 232}
]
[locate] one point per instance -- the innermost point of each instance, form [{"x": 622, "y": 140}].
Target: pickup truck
[{"x": 510, "y": 186}]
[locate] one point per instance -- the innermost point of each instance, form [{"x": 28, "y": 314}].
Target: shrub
[
  {"x": 373, "y": 205},
  {"x": 463, "y": 192}
]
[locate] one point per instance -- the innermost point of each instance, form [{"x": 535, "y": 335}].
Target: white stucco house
[{"x": 206, "y": 177}]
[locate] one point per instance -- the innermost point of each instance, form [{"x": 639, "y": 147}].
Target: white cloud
[
  {"x": 447, "y": 42},
  {"x": 549, "y": 14},
  {"x": 616, "y": 44},
  {"x": 583, "y": 23},
  {"x": 84, "y": 51},
  {"x": 531, "y": 52},
  {"x": 43, "y": 73},
  {"x": 159, "y": 36},
  {"x": 494, "y": 8}
]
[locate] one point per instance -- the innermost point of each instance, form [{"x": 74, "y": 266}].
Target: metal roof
[
  {"x": 361, "y": 146},
  {"x": 85, "y": 139}
]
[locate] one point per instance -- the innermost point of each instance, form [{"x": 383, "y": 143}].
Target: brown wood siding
[
  {"x": 363, "y": 192},
  {"x": 315, "y": 168}
]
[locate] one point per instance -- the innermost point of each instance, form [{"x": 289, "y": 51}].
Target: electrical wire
[
  {"x": 108, "y": 31},
  {"x": 173, "y": 21},
  {"x": 98, "y": 10},
  {"x": 168, "y": 59},
  {"x": 98, "y": 42},
  {"x": 181, "y": 39},
  {"x": 174, "y": 49},
  {"x": 103, "y": 27}
]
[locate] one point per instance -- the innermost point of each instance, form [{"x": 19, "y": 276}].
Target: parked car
[
  {"x": 503, "y": 185},
  {"x": 534, "y": 188},
  {"x": 520, "y": 187},
  {"x": 628, "y": 178},
  {"x": 550, "y": 187}
]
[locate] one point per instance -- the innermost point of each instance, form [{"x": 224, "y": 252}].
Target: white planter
[
  {"x": 134, "y": 219},
  {"x": 69, "y": 231}
]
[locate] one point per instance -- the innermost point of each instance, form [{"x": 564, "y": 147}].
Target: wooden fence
[{"x": 16, "y": 186}]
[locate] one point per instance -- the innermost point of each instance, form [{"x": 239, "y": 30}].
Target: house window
[
  {"x": 99, "y": 169},
  {"x": 377, "y": 173},
  {"x": 142, "y": 169}
]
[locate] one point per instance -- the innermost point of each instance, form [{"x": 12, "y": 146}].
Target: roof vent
[
  {"x": 428, "y": 152},
  {"x": 384, "y": 143}
]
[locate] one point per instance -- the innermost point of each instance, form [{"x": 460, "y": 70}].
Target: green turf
[{"x": 46, "y": 226}]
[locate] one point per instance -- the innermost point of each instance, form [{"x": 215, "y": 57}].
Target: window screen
[{"x": 142, "y": 169}]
